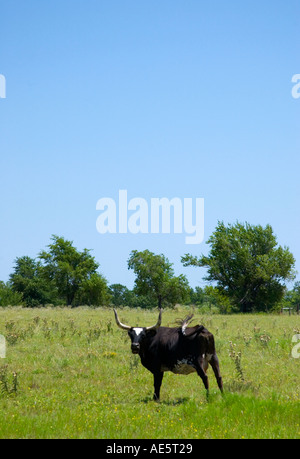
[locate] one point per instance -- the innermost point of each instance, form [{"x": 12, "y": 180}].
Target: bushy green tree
[
  {"x": 9, "y": 297},
  {"x": 295, "y": 300},
  {"x": 247, "y": 265},
  {"x": 196, "y": 296},
  {"x": 93, "y": 291},
  {"x": 120, "y": 295},
  {"x": 74, "y": 273},
  {"x": 28, "y": 280},
  {"x": 209, "y": 298},
  {"x": 155, "y": 278},
  {"x": 291, "y": 298}
]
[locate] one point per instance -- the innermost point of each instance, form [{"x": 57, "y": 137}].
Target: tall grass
[{"x": 69, "y": 373}]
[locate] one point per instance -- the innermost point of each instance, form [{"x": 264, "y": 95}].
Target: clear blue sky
[{"x": 161, "y": 98}]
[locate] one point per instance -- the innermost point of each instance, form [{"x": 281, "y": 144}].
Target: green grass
[{"x": 69, "y": 373}]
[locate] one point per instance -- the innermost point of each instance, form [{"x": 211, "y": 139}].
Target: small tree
[
  {"x": 9, "y": 297},
  {"x": 120, "y": 295},
  {"x": 296, "y": 295},
  {"x": 74, "y": 273},
  {"x": 27, "y": 280},
  {"x": 93, "y": 291},
  {"x": 247, "y": 266},
  {"x": 291, "y": 298},
  {"x": 197, "y": 296},
  {"x": 155, "y": 278}
]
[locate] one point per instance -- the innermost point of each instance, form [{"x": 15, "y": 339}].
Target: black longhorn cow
[{"x": 182, "y": 350}]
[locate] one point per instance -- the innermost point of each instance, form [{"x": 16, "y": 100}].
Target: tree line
[{"x": 246, "y": 271}]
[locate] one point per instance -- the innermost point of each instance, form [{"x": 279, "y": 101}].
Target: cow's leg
[
  {"x": 201, "y": 372},
  {"x": 214, "y": 361},
  {"x": 157, "y": 383}
]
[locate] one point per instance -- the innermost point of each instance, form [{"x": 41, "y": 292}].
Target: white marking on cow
[
  {"x": 207, "y": 356},
  {"x": 138, "y": 331},
  {"x": 183, "y": 367}
]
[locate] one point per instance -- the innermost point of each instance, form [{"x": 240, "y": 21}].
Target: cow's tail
[{"x": 192, "y": 332}]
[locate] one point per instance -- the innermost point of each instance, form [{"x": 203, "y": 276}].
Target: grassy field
[{"x": 69, "y": 373}]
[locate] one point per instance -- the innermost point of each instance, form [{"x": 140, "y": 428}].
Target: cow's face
[{"x": 138, "y": 336}]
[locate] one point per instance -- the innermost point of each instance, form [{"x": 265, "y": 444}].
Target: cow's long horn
[
  {"x": 124, "y": 327},
  {"x": 157, "y": 325}
]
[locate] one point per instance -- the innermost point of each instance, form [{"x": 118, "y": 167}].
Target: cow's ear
[{"x": 151, "y": 333}]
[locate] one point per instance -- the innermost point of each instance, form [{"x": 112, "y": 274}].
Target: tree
[
  {"x": 209, "y": 299},
  {"x": 214, "y": 298},
  {"x": 93, "y": 291},
  {"x": 296, "y": 295},
  {"x": 247, "y": 266},
  {"x": 155, "y": 278},
  {"x": 28, "y": 281},
  {"x": 74, "y": 273},
  {"x": 292, "y": 298},
  {"x": 120, "y": 295},
  {"x": 9, "y": 297},
  {"x": 197, "y": 296}
]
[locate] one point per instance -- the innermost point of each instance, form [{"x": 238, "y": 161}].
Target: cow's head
[{"x": 138, "y": 334}]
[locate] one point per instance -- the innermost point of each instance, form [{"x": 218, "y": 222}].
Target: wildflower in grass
[
  {"x": 247, "y": 339},
  {"x": 264, "y": 339},
  {"x": 109, "y": 355},
  {"x": 5, "y": 386},
  {"x": 236, "y": 357}
]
